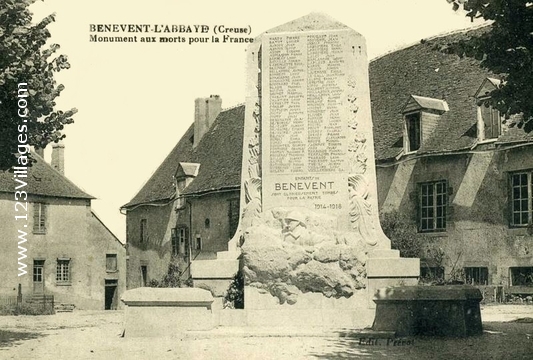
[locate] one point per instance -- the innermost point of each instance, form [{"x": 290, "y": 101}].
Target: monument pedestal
[
  {"x": 216, "y": 275},
  {"x": 385, "y": 268},
  {"x": 311, "y": 310}
]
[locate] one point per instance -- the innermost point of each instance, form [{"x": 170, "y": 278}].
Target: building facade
[
  {"x": 189, "y": 209},
  {"x": 58, "y": 246},
  {"x": 453, "y": 165}
]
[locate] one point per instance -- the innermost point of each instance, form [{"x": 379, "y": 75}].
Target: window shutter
[
  {"x": 39, "y": 217},
  {"x": 36, "y": 216},
  {"x": 43, "y": 217},
  {"x": 187, "y": 242}
]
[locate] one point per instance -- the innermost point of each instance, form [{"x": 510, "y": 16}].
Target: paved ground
[{"x": 96, "y": 335}]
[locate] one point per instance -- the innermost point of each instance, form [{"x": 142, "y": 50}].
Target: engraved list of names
[
  {"x": 305, "y": 77},
  {"x": 304, "y": 144}
]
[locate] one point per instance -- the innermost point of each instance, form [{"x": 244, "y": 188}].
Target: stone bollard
[
  {"x": 153, "y": 312},
  {"x": 429, "y": 310}
]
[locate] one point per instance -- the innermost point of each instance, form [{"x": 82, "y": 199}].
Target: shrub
[
  {"x": 234, "y": 298},
  {"x": 402, "y": 232},
  {"x": 172, "y": 278},
  {"x": 27, "y": 309}
]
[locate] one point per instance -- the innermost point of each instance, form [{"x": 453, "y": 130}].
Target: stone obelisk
[{"x": 310, "y": 226}]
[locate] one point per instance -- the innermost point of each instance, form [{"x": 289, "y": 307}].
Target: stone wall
[
  {"x": 210, "y": 220},
  {"x": 154, "y": 253}
]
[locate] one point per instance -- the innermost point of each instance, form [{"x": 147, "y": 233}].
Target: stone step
[
  {"x": 214, "y": 269},
  {"x": 40, "y": 299},
  {"x": 228, "y": 255}
]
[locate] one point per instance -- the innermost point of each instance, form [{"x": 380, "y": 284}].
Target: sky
[{"x": 135, "y": 100}]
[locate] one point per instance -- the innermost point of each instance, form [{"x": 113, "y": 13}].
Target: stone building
[
  {"x": 189, "y": 209},
  {"x": 63, "y": 248},
  {"x": 455, "y": 166},
  {"x": 460, "y": 172}
]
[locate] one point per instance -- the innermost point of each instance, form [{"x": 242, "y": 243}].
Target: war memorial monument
[{"x": 313, "y": 250}]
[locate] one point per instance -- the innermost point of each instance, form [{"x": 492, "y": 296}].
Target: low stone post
[{"x": 153, "y": 312}]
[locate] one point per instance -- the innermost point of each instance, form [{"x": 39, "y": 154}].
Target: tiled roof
[
  {"x": 219, "y": 154},
  {"x": 425, "y": 70},
  {"x": 43, "y": 180}
]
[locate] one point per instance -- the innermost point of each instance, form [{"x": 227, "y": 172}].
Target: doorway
[
  {"x": 110, "y": 302},
  {"x": 38, "y": 276},
  {"x": 144, "y": 275}
]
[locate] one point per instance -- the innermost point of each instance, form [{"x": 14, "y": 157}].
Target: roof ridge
[
  {"x": 108, "y": 229},
  {"x": 233, "y": 107}
]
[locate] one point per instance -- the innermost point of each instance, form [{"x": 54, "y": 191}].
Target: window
[
  {"x": 434, "y": 273},
  {"x": 233, "y": 215},
  {"x": 521, "y": 276},
  {"x": 492, "y": 120},
  {"x": 63, "y": 271},
  {"x": 521, "y": 199},
  {"x": 182, "y": 235},
  {"x": 39, "y": 218},
  {"x": 144, "y": 275},
  {"x": 432, "y": 206},
  {"x": 174, "y": 241},
  {"x": 198, "y": 243},
  {"x": 144, "y": 235},
  {"x": 476, "y": 275},
  {"x": 38, "y": 266},
  {"x": 412, "y": 122},
  {"x": 489, "y": 121},
  {"x": 111, "y": 262},
  {"x": 178, "y": 238}
]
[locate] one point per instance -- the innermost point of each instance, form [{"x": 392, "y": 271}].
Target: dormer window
[
  {"x": 412, "y": 122},
  {"x": 184, "y": 175},
  {"x": 489, "y": 120},
  {"x": 492, "y": 121},
  {"x": 421, "y": 115}
]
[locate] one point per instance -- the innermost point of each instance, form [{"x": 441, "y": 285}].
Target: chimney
[
  {"x": 58, "y": 157},
  {"x": 206, "y": 111}
]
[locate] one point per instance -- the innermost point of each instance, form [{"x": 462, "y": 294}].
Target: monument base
[
  {"x": 385, "y": 268},
  {"x": 215, "y": 275},
  {"x": 429, "y": 310},
  {"x": 311, "y": 310}
]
